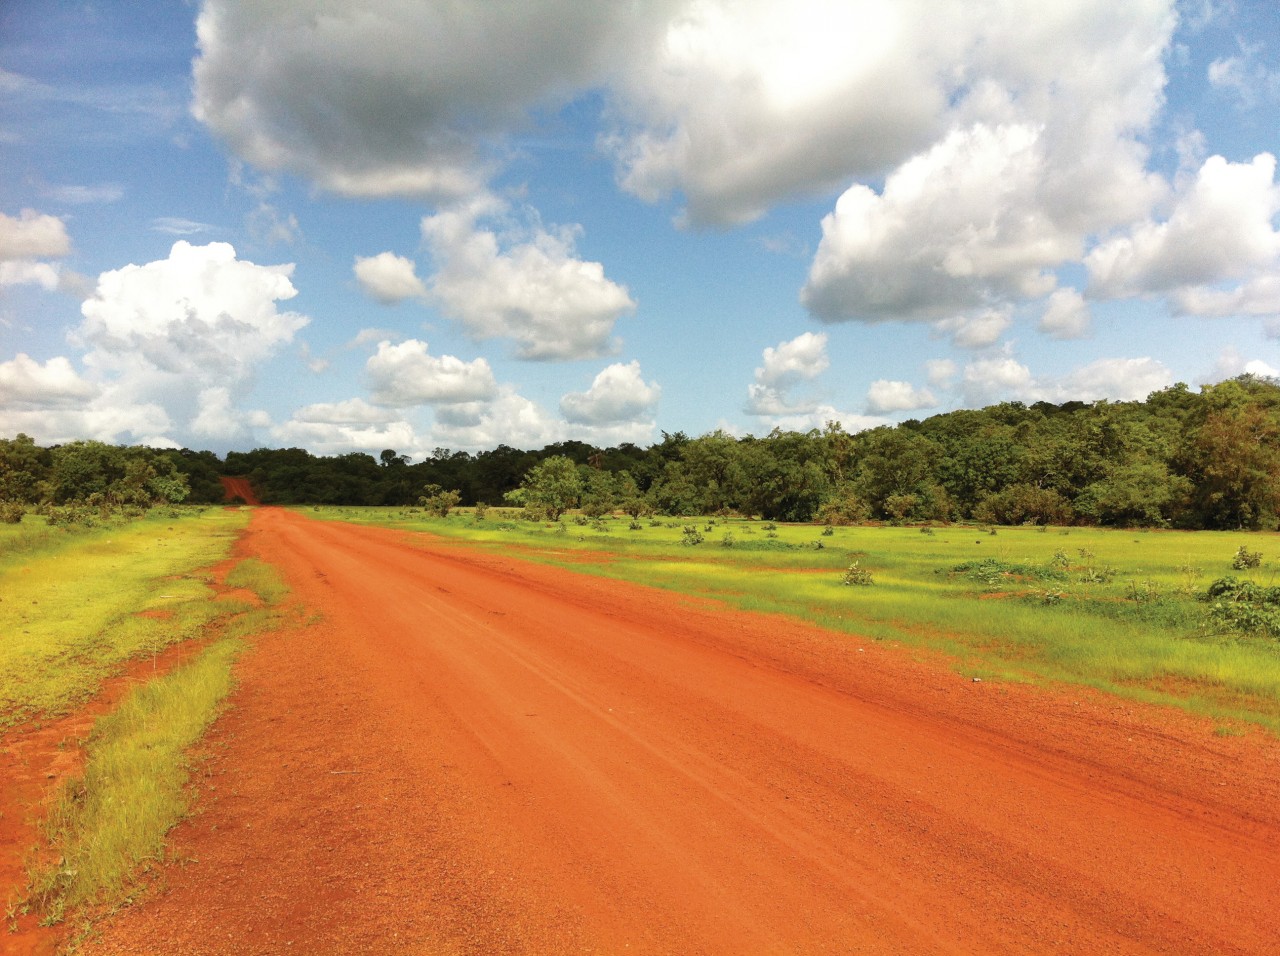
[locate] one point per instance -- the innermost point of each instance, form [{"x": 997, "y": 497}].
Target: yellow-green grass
[
  {"x": 112, "y": 821},
  {"x": 1112, "y": 609},
  {"x": 105, "y": 825},
  {"x": 72, "y": 606}
]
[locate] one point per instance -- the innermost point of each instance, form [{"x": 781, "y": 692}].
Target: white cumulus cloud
[
  {"x": 184, "y": 335},
  {"x": 1066, "y": 315},
  {"x": 24, "y": 382},
  {"x": 389, "y": 278},
  {"x": 977, "y": 331},
  {"x": 893, "y": 396},
  {"x": 618, "y": 394},
  {"x": 407, "y": 374},
  {"x": 508, "y": 419},
  {"x": 784, "y": 366},
  {"x": 527, "y": 285},
  {"x": 1220, "y": 230},
  {"x": 32, "y": 235}
]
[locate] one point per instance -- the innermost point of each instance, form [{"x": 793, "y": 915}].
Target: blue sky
[{"x": 410, "y": 225}]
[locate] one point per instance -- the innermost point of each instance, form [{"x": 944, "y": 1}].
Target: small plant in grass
[
  {"x": 599, "y": 525},
  {"x": 828, "y": 531},
  {"x": 769, "y": 526},
  {"x": 1245, "y": 559},
  {"x": 635, "y": 525},
  {"x": 857, "y": 576},
  {"x": 728, "y": 540},
  {"x": 1143, "y": 592},
  {"x": 11, "y": 512},
  {"x": 482, "y": 510},
  {"x": 925, "y": 529},
  {"x": 1049, "y": 595},
  {"x": 1190, "y": 578},
  {"x": 691, "y": 536}
]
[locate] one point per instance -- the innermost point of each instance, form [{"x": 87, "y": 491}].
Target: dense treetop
[{"x": 1206, "y": 459}]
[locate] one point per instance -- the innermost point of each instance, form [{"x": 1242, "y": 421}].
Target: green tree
[
  {"x": 1234, "y": 455},
  {"x": 24, "y": 469},
  {"x": 552, "y": 486},
  {"x": 435, "y": 500}
]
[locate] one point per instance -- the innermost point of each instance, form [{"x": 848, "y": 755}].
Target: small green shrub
[
  {"x": 11, "y": 512},
  {"x": 1244, "y": 606},
  {"x": 856, "y": 575},
  {"x": 691, "y": 536},
  {"x": 1245, "y": 559}
]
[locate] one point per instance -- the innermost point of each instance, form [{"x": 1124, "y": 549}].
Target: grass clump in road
[
  {"x": 1125, "y": 611},
  {"x": 75, "y": 608}
]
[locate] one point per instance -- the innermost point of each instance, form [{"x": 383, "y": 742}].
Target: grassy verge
[
  {"x": 74, "y": 607},
  {"x": 111, "y": 823},
  {"x": 1114, "y": 609},
  {"x": 108, "y": 823}
]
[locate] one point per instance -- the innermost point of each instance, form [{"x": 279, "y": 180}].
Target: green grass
[
  {"x": 105, "y": 825},
  {"x": 75, "y": 607},
  {"x": 113, "y": 820},
  {"x": 1111, "y": 609}
]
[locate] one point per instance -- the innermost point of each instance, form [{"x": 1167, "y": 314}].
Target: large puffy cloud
[
  {"x": 53, "y": 403},
  {"x": 407, "y": 374},
  {"x": 398, "y": 97},
  {"x": 1043, "y": 151},
  {"x": 201, "y": 314},
  {"x": 1220, "y": 231},
  {"x": 525, "y": 284},
  {"x": 734, "y": 106},
  {"x": 389, "y": 278},
  {"x": 743, "y": 104},
  {"x": 619, "y": 394},
  {"x": 182, "y": 335}
]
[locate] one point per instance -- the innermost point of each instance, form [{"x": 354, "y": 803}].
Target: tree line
[{"x": 1181, "y": 458}]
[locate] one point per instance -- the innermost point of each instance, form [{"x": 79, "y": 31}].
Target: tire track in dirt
[{"x": 470, "y": 754}]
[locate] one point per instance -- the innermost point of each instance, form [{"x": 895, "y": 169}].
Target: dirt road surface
[{"x": 466, "y": 753}]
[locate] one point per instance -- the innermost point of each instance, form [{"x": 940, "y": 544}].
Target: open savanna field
[{"x": 337, "y": 730}]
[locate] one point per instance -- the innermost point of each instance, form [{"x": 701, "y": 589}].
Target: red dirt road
[
  {"x": 470, "y": 754},
  {"x": 239, "y": 488}
]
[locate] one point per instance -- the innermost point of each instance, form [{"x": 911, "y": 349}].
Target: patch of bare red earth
[{"x": 472, "y": 754}]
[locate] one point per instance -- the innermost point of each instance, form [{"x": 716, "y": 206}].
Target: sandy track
[{"x": 470, "y": 754}]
